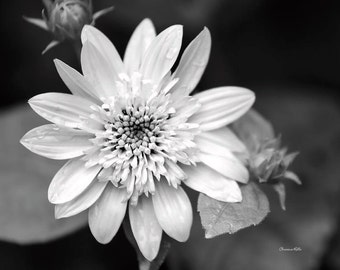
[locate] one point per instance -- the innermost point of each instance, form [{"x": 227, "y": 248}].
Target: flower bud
[
  {"x": 66, "y": 18},
  {"x": 269, "y": 163}
]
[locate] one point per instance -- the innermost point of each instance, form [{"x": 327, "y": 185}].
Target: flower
[
  {"x": 65, "y": 19},
  {"x": 267, "y": 160},
  {"x": 133, "y": 134}
]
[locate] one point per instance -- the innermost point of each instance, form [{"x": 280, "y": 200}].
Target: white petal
[
  {"x": 138, "y": 44},
  {"x": 71, "y": 180},
  {"x": 173, "y": 210},
  {"x": 211, "y": 183},
  {"x": 62, "y": 109},
  {"x": 77, "y": 84},
  {"x": 229, "y": 166},
  {"x": 81, "y": 202},
  {"x": 145, "y": 227},
  {"x": 162, "y": 54},
  {"x": 54, "y": 142},
  {"x": 98, "y": 71},
  {"x": 104, "y": 46},
  {"x": 219, "y": 141},
  {"x": 106, "y": 215},
  {"x": 221, "y": 106},
  {"x": 192, "y": 65}
]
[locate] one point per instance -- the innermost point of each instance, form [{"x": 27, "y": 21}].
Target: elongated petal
[
  {"x": 192, "y": 65},
  {"x": 71, "y": 180},
  {"x": 77, "y": 84},
  {"x": 104, "y": 46},
  {"x": 50, "y": 45},
  {"x": 219, "y": 141},
  {"x": 162, "y": 54},
  {"x": 54, "y": 142},
  {"x": 62, "y": 109},
  {"x": 106, "y": 215},
  {"x": 173, "y": 211},
  {"x": 292, "y": 176},
  {"x": 37, "y": 22},
  {"x": 145, "y": 227},
  {"x": 211, "y": 183},
  {"x": 98, "y": 71},
  {"x": 230, "y": 166},
  {"x": 138, "y": 44},
  {"x": 221, "y": 106},
  {"x": 81, "y": 202},
  {"x": 101, "y": 13}
]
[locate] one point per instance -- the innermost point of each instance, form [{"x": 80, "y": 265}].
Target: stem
[
  {"x": 77, "y": 47},
  {"x": 143, "y": 263}
]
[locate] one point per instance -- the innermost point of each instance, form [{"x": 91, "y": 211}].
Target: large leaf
[
  {"x": 26, "y": 216},
  {"x": 220, "y": 217}
]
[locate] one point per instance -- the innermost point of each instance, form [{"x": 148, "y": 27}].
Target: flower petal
[
  {"x": 98, "y": 71},
  {"x": 62, "y": 109},
  {"x": 219, "y": 141},
  {"x": 104, "y": 46},
  {"x": 71, "y": 180},
  {"x": 145, "y": 227},
  {"x": 173, "y": 210},
  {"x": 229, "y": 166},
  {"x": 106, "y": 215},
  {"x": 54, "y": 142},
  {"x": 192, "y": 65},
  {"x": 138, "y": 44},
  {"x": 75, "y": 81},
  {"x": 211, "y": 183},
  {"x": 162, "y": 54},
  {"x": 221, "y": 106},
  {"x": 81, "y": 202},
  {"x": 37, "y": 22}
]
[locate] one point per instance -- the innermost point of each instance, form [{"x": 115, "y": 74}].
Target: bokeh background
[{"x": 287, "y": 51}]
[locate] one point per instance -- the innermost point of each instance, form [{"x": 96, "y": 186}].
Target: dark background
[{"x": 287, "y": 52}]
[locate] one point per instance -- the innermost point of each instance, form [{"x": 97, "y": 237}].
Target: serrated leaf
[{"x": 219, "y": 217}]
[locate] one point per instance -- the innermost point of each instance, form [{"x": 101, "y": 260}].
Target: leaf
[
  {"x": 219, "y": 217},
  {"x": 26, "y": 216},
  {"x": 252, "y": 128}
]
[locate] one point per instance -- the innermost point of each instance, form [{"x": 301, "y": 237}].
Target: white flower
[{"x": 133, "y": 134}]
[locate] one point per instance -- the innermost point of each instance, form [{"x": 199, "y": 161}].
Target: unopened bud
[
  {"x": 66, "y": 18},
  {"x": 270, "y": 162}
]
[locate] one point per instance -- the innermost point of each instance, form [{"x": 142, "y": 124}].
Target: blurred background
[{"x": 288, "y": 52}]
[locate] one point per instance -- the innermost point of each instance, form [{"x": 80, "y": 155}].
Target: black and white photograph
[{"x": 170, "y": 135}]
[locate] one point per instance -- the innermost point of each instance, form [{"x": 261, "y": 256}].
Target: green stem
[
  {"x": 77, "y": 47},
  {"x": 143, "y": 263}
]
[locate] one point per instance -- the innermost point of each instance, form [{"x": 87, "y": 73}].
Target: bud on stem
[{"x": 66, "y": 18}]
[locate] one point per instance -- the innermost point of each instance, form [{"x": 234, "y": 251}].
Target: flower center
[
  {"x": 142, "y": 141},
  {"x": 135, "y": 131}
]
